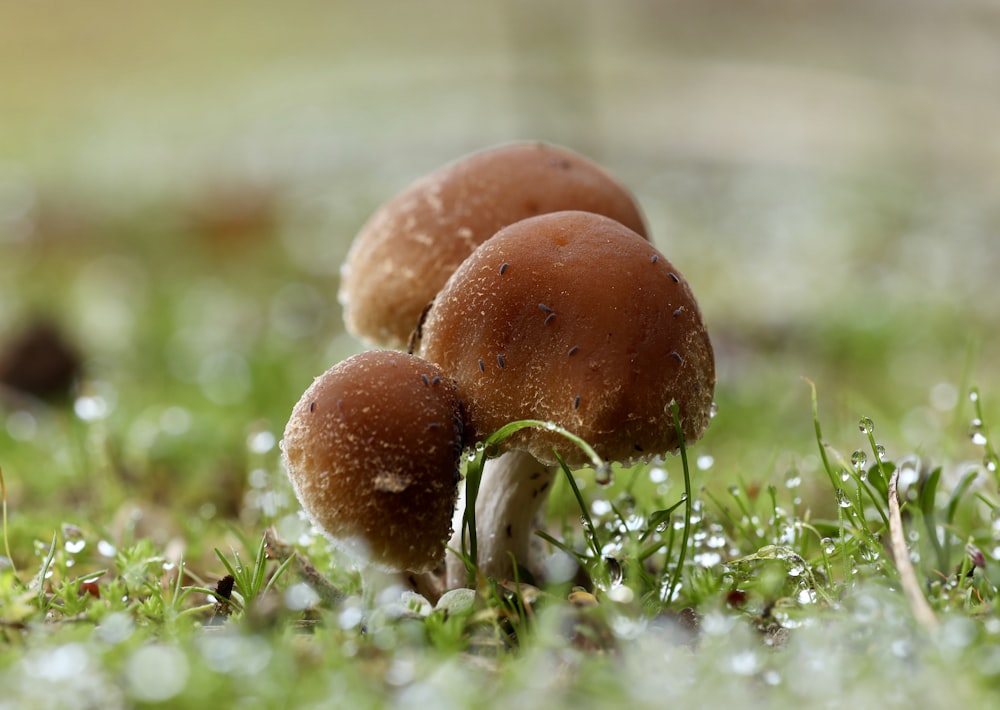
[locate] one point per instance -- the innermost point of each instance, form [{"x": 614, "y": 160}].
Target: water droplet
[
  {"x": 869, "y": 555},
  {"x": 829, "y": 546},
  {"x": 845, "y": 476},
  {"x": 713, "y": 410},
  {"x": 600, "y": 507},
  {"x": 793, "y": 481},
  {"x": 977, "y": 436},
  {"x": 858, "y": 459},
  {"x": 707, "y": 559},
  {"x": 156, "y": 673},
  {"x": 866, "y": 425},
  {"x": 880, "y": 452},
  {"x": 842, "y": 499},
  {"x": 260, "y": 442},
  {"x": 614, "y": 570},
  {"x": 990, "y": 464},
  {"x": 705, "y": 462},
  {"x": 551, "y": 426},
  {"x": 974, "y": 395},
  {"x": 734, "y": 490},
  {"x": 657, "y": 474},
  {"x": 90, "y": 408},
  {"x": 74, "y": 546},
  {"x": 715, "y": 542},
  {"x": 745, "y": 663},
  {"x": 602, "y": 475}
]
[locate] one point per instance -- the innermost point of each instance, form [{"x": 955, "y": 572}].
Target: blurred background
[{"x": 179, "y": 183}]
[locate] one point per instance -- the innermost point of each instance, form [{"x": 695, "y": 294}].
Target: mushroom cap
[
  {"x": 411, "y": 245},
  {"x": 573, "y": 318},
  {"x": 373, "y": 450}
]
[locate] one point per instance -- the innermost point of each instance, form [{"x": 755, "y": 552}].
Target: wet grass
[
  {"x": 153, "y": 552},
  {"x": 779, "y": 601},
  {"x": 177, "y": 192}
]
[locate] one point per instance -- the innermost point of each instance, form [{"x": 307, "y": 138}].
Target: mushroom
[
  {"x": 373, "y": 449},
  {"x": 572, "y": 318},
  {"x": 411, "y": 245}
]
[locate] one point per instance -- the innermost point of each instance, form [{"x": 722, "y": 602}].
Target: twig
[
  {"x": 907, "y": 576},
  {"x": 328, "y": 592}
]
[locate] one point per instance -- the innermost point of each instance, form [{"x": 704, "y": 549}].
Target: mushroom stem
[{"x": 512, "y": 491}]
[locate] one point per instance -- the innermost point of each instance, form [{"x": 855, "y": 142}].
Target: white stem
[{"x": 513, "y": 489}]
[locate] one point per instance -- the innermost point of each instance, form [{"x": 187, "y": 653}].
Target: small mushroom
[
  {"x": 619, "y": 339},
  {"x": 411, "y": 245},
  {"x": 373, "y": 449}
]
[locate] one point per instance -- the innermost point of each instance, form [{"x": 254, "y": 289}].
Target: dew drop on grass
[
  {"x": 622, "y": 594},
  {"x": 657, "y": 474},
  {"x": 829, "y": 547},
  {"x": 858, "y": 459},
  {"x": 880, "y": 452},
  {"x": 21, "y": 425},
  {"x": 600, "y": 507},
  {"x": 713, "y": 411},
  {"x": 90, "y": 408},
  {"x": 74, "y": 546},
  {"x": 793, "y": 481},
  {"x": 974, "y": 395},
  {"x": 602, "y": 475},
  {"x": 157, "y": 673},
  {"x": 260, "y": 442},
  {"x": 301, "y": 596},
  {"x": 866, "y": 425},
  {"x": 350, "y": 617},
  {"x": 705, "y": 462},
  {"x": 614, "y": 570},
  {"x": 842, "y": 499},
  {"x": 745, "y": 663},
  {"x": 715, "y": 541}
]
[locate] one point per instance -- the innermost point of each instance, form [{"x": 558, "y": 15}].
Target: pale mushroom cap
[
  {"x": 411, "y": 245},
  {"x": 373, "y": 449},
  {"x": 573, "y": 318}
]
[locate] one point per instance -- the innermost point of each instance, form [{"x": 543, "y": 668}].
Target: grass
[
  {"x": 743, "y": 592},
  {"x": 154, "y": 555}
]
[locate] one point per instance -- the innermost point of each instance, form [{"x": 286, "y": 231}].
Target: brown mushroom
[
  {"x": 373, "y": 449},
  {"x": 411, "y": 245},
  {"x": 571, "y": 318}
]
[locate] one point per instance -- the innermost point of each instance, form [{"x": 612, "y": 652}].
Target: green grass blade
[
  {"x": 3, "y": 502},
  {"x": 676, "y": 578}
]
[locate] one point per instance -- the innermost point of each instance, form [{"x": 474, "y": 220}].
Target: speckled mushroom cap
[
  {"x": 573, "y": 318},
  {"x": 372, "y": 449},
  {"x": 411, "y": 245}
]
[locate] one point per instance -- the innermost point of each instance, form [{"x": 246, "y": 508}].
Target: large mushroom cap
[
  {"x": 411, "y": 245},
  {"x": 573, "y": 318},
  {"x": 372, "y": 449}
]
